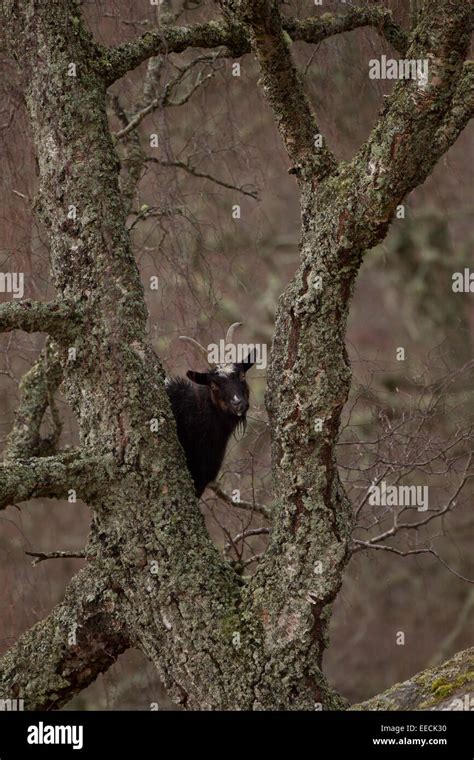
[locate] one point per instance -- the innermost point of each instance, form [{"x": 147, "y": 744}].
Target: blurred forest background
[{"x": 407, "y": 421}]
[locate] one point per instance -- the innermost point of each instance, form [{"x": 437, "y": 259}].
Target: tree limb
[
  {"x": 55, "y": 318},
  {"x": 408, "y": 552},
  {"x": 61, "y": 655},
  {"x": 42, "y": 556},
  {"x": 416, "y": 524},
  {"x": 251, "y": 506},
  {"x": 282, "y": 85},
  {"x": 315, "y": 30},
  {"x": 169, "y": 39},
  {"x": 459, "y": 113},
  {"x": 444, "y": 687},
  {"x": 163, "y": 100},
  {"x": 187, "y": 167},
  {"x": 146, "y": 521},
  {"x": 248, "y": 533},
  {"x": 116, "y": 62},
  {"x": 419, "y": 120},
  {"x": 54, "y": 476},
  {"x": 37, "y": 388}
]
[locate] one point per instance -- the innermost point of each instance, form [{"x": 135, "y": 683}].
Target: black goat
[{"x": 207, "y": 411}]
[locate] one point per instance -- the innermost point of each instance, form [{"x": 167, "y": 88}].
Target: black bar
[{"x": 444, "y": 734}]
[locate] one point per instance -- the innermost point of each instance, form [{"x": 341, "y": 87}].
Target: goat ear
[
  {"x": 201, "y": 378},
  {"x": 247, "y": 363}
]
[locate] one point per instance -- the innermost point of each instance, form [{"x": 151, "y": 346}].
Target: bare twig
[
  {"x": 248, "y": 533},
  {"x": 242, "y": 504},
  {"x": 253, "y": 558},
  {"x": 191, "y": 170},
  {"x": 41, "y": 556},
  {"x": 164, "y": 99}
]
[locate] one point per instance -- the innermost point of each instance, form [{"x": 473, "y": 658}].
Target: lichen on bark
[{"x": 449, "y": 686}]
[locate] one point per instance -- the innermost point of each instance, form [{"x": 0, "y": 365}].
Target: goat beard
[{"x": 240, "y": 428}]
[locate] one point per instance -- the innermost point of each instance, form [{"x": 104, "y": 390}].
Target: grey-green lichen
[{"x": 432, "y": 689}]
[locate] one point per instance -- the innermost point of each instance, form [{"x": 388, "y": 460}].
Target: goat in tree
[{"x": 208, "y": 407}]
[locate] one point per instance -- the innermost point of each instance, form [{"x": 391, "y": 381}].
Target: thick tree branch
[
  {"x": 61, "y": 655},
  {"x": 37, "y": 389},
  {"x": 54, "y": 476},
  {"x": 301, "y": 572},
  {"x": 170, "y": 39},
  {"x": 445, "y": 687},
  {"x": 177, "y": 586},
  {"x": 315, "y": 30},
  {"x": 116, "y": 62},
  {"x": 419, "y": 121},
  {"x": 282, "y": 86},
  {"x": 56, "y": 318},
  {"x": 459, "y": 114}
]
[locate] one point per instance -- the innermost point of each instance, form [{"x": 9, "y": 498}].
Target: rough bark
[
  {"x": 153, "y": 566},
  {"x": 37, "y": 388},
  {"x": 235, "y": 36},
  {"x": 449, "y": 686},
  {"x": 61, "y": 655},
  {"x": 56, "y": 319},
  {"x": 54, "y": 476}
]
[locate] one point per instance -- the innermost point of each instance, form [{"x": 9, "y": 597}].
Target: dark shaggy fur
[{"x": 207, "y": 411}]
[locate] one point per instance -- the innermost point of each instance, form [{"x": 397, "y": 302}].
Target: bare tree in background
[{"x": 154, "y": 579}]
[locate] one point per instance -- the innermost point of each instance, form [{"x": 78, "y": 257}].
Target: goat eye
[
  {"x": 214, "y": 387},
  {"x": 242, "y": 376}
]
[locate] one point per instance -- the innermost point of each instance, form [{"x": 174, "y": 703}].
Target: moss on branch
[
  {"x": 61, "y": 655},
  {"x": 116, "y": 62},
  {"x": 54, "y": 476},
  {"x": 315, "y": 30},
  {"x": 57, "y": 318},
  {"x": 37, "y": 388},
  {"x": 445, "y": 687}
]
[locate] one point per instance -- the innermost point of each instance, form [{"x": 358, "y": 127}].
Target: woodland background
[{"x": 213, "y": 270}]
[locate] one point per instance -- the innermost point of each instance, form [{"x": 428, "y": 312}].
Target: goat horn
[
  {"x": 199, "y": 347},
  {"x": 229, "y": 338}
]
